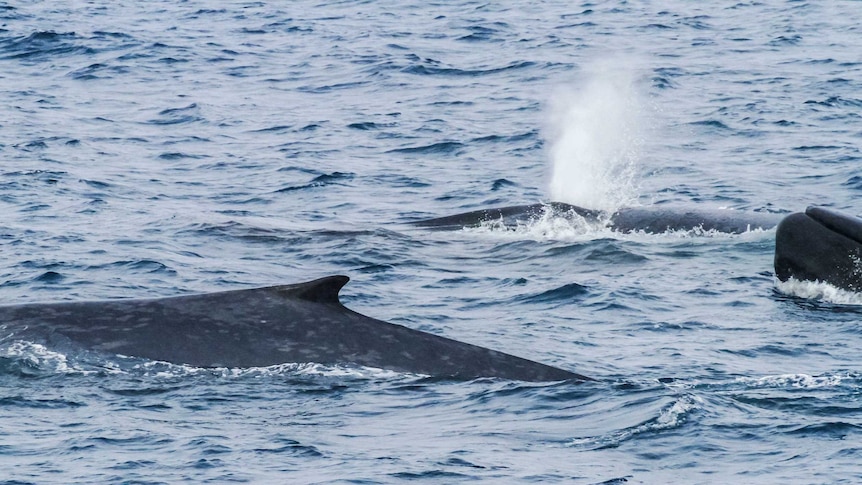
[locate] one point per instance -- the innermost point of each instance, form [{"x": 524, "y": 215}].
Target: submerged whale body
[
  {"x": 297, "y": 323},
  {"x": 820, "y": 245},
  {"x": 653, "y": 220}
]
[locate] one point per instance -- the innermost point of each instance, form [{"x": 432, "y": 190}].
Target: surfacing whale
[
  {"x": 820, "y": 245},
  {"x": 298, "y": 323},
  {"x": 653, "y": 219}
]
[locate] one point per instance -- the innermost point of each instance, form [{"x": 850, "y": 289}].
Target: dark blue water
[{"x": 160, "y": 148}]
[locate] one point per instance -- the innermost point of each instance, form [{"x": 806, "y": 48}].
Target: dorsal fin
[{"x": 323, "y": 290}]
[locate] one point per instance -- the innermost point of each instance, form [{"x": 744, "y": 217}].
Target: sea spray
[{"x": 595, "y": 136}]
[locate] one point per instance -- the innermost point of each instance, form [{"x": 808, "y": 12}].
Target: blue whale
[
  {"x": 296, "y": 323},
  {"x": 652, "y": 219},
  {"x": 820, "y": 245}
]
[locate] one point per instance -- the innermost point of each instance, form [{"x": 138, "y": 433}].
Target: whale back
[
  {"x": 301, "y": 323},
  {"x": 652, "y": 219}
]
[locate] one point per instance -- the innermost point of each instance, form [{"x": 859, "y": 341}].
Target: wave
[
  {"x": 446, "y": 147},
  {"x": 423, "y": 70},
  {"x": 175, "y": 116},
  {"x": 671, "y": 416},
  {"x": 42, "y": 45},
  {"x": 564, "y": 294},
  {"x": 334, "y": 178}
]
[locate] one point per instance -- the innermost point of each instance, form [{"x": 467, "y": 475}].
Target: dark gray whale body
[
  {"x": 820, "y": 245},
  {"x": 297, "y": 323},
  {"x": 653, "y": 220}
]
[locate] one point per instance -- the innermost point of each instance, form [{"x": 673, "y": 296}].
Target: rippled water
[{"x": 158, "y": 148}]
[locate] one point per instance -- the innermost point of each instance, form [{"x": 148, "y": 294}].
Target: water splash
[
  {"x": 818, "y": 290},
  {"x": 550, "y": 225},
  {"x": 595, "y": 134}
]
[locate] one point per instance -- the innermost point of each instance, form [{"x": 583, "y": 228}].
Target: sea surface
[{"x": 161, "y": 148}]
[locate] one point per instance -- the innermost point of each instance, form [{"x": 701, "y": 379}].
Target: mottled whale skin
[
  {"x": 652, "y": 220},
  {"x": 820, "y": 245},
  {"x": 297, "y": 323}
]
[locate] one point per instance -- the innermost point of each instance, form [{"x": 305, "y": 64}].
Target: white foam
[
  {"x": 675, "y": 415},
  {"x": 699, "y": 233},
  {"x": 818, "y": 290},
  {"x": 550, "y": 225},
  {"x": 316, "y": 370},
  {"x": 160, "y": 369},
  {"x": 801, "y": 381},
  {"x": 38, "y": 356}
]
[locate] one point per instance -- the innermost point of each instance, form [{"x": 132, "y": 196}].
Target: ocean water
[{"x": 161, "y": 148}]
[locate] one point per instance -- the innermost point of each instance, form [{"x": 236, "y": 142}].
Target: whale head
[{"x": 820, "y": 245}]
